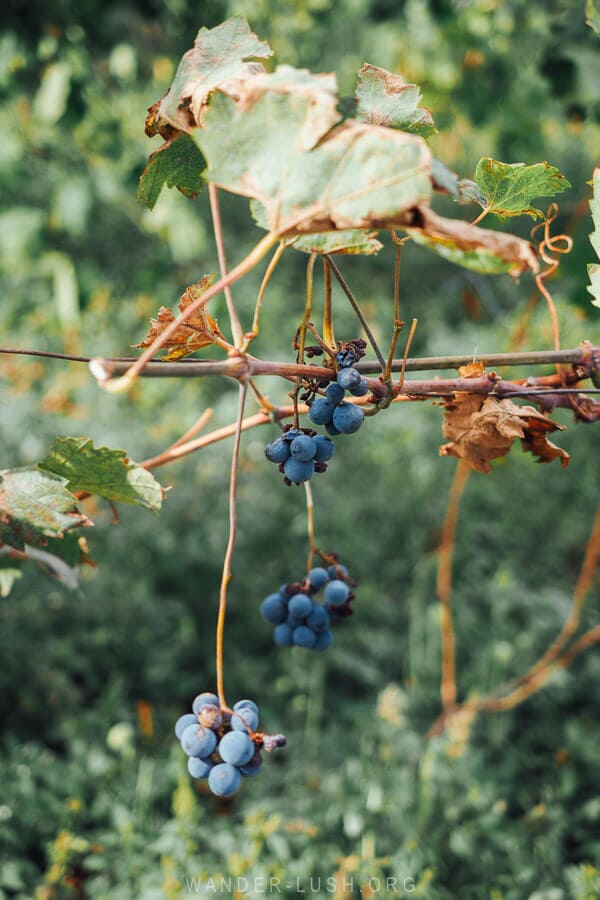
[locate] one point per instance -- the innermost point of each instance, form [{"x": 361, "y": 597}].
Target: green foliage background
[{"x": 93, "y": 804}]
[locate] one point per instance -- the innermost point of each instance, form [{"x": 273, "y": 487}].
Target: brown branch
[{"x": 444, "y": 586}]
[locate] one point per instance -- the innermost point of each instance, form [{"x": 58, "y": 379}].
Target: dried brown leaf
[
  {"x": 481, "y": 428},
  {"x": 200, "y": 330}
]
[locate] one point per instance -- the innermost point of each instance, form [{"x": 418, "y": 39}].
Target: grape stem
[
  {"x": 226, "y": 573},
  {"x": 359, "y": 313}
]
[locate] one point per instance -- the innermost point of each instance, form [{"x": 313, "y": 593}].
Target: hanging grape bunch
[
  {"x": 223, "y": 745},
  {"x": 300, "y": 452},
  {"x": 302, "y": 621},
  {"x": 336, "y": 414}
]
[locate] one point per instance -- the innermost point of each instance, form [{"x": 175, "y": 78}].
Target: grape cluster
[
  {"x": 300, "y": 620},
  {"x": 336, "y": 414},
  {"x": 223, "y": 745},
  {"x": 299, "y": 453}
]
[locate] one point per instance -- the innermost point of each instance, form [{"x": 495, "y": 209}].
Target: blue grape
[
  {"x": 245, "y": 720},
  {"x": 348, "y": 378},
  {"x": 318, "y": 619},
  {"x": 205, "y": 699},
  {"x": 210, "y": 716},
  {"x": 298, "y": 471},
  {"x": 283, "y": 635},
  {"x": 277, "y": 451},
  {"x": 334, "y": 393},
  {"x": 325, "y": 448},
  {"x": 295, "y": 621},
  {"x": 198, "y": 741},
  {"x": 236, "y": 748},
  {"x": 224, "y": 780},
  {"x": 333, "y": 572},
  {"x": 273, "y": 609},
  {"x": 318, "y": 577},
  {"x": 324, "y": 640},
  {"x": 347, "y": 417},
  {"x": 290, "y": 434},
  {"x": 304, "y": 637},
  {"x": 245, "y": 704},
  {"x": 331, "y": 429},
  {"x": 299, "y": 606},
  {"x": 253, "y": 767},
  {"x": 360, "y": 389},
  {"x": 320, "y": 412},
  {"x": 184, "y": 722},
  {"x": 303, "y": 448},
  {"x": 199, "y": 768},
  {"x": 283, "y": 593},
  {"x": 336, "y": 592}
]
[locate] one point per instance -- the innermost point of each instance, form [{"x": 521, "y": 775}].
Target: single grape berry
[
  {"x": 303, "y": 448},
  {"x": 360, "y": 389},
  {"x": 283, "y": 635},
  {"x": 318, "y": 577},
  {"x": 298, "y": 471},
  {"x": 331, "y": 429},
  {"x": 325, "y": 448},
  {"x": 205, "y": 699},
  {"x": 347, "y": 418},
  {"x": 304, "y": 637},
  {"x": 245, "y": 704},
  {"x": 318, "y": 620},
  {"x": 273, "y": 609},
  {"x": 184, "y": 722},
  {"x": 320, "y": 412},
  {"x": 253, "y": 767},
  {"x": 198, "y": 741},
  {"x": 334, "y": 572},
  {"x": 348, "y": 378},
  {"x": 336, "y": 592},
  {"x": 236, "y": 748},
  {"x": 277, "y": 451},
  {"x": 224, "y": 780},
  {"x": 300, "y": 606},
  {"x": 245, "y": 720},
  {"x": 210, "y": 717},
  {"x": 199, "y": 768},
  {"x": 324, "y": 639},
  {"x": 334, "y": 393}
]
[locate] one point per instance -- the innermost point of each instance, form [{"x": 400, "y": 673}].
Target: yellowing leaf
[
  {"x": 481, "y": 428},
  {"x": 200, "y": 330},
  {"x": 386, "y": 99},
  {"x": 509, "y": 188}
]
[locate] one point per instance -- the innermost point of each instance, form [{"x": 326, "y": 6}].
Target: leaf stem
[
  {"x": 226, "y": 574},
  {"x": 237, "y": 333},
  {"x": 253, "y": 333},
  {"x": 328, "y": 333},
  {"x": 359, "y": 313}
]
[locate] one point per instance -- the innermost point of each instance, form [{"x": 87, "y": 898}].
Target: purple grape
[
  {"x": 224, "y": 780},
  {"x": 318, "y": 577},
  {"x": 325, "y": 448},
  {"x": 334, "y": 393},
  {"x": 300, "y": 606},
  {"x": 360, "y": 389},
  {"x": 273, "y": 609},
  {"x": 297, "y": 471},
  {"x": 198, "y": 741},
  {"x": 336, "y": 592},
  {"x": 347, "y": 417},
  {"x": 303, "y": 448},
  {"x": 236, "y": 748},
  {"x": 348, "y": 378},
  {"x": 320, "y": 412},
  {"x": 277, "y": 451}
]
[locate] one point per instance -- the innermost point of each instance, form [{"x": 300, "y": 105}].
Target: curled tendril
[{"x": 549, "y": 249}]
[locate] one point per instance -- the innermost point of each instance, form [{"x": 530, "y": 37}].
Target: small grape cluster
[
  {"x": 299, "y": 453},
  {"x": 299, "y": 620},
  {"x": 223, "y": 745},
  {"x": 336, "y": 414}
]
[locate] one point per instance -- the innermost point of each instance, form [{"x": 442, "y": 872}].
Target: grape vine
[{"x": 326, "y": 185}]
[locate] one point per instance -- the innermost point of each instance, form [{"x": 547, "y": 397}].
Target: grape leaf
[
  {"x": 482, "y": 250},
  {"x": 348, "y": 242},
  {"x": 481, "y": 428},
  {"x": 594, "y": 268},
  {"x": 509, "y": 188},
  {"x": 200, "y": 330},
  {"x": 592, "y": 15},
  {"x": 386, "y": 99},
  {"x": 35, "y": 505},
  {"x": 177, "y": 163},
  {"x": 101, "y": 471},
  {"x": 219, "y": 55}
]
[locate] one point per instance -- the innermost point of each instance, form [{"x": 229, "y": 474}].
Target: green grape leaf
[
  {"x": 9, "y": 573},
  {"x": 178, "y": 163},
  {"x": 347, "y": 242},
  {"x": 386, "y": 99},
  {"x": 278, "y": 144},
  {"x": 219, "y": 55},
  {"x": 35, "y": 505},
  {"x": 509, "y": 188},
  {"x": 478, "y": 249},
  {"x": 445, "y": 181},
  {"x": 592, "y": 15},
  {"x": 594, "y": 268},
  {"x": 101, "y": 471}
]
